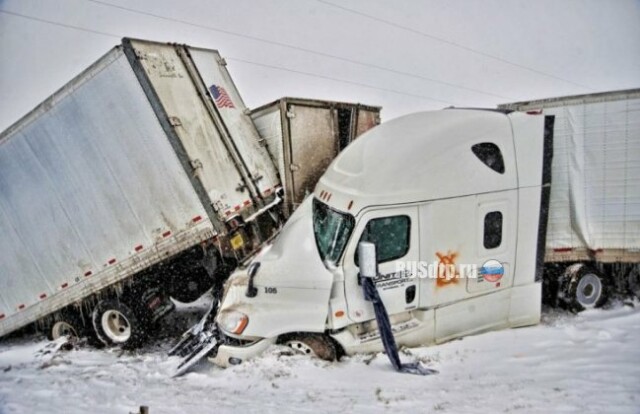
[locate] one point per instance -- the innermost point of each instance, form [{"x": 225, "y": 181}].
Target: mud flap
[{"x": 386, "y": 334}]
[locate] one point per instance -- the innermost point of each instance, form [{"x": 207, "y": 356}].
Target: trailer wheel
[
  {"x": 63, "y": 327},
  {"x": 116, "y": 324},
  {"x": 69, "y": 324},
  {"x": 187, "y": 289},
  {"x": 584, "y": 288},
  {"x": 633, "y": 280},
  {"x": 314, "y": 345}
]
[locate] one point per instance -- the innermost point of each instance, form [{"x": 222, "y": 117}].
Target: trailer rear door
[
  {"x": 252, "y": 149},
  {"x": 210, "y": 157}
]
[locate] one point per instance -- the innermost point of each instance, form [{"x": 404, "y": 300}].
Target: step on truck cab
[{"x": 454, "y": 201}]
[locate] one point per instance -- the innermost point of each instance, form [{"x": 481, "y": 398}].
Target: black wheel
[
  {"x": 116, "y": 324},
  {"x": 633, "y": 280},
  {"x": 584, "y": 288},
  {"x": 188, "y": 288},
  {"x": 314, "y": 345},
  {"x": 194, "y": 273}
]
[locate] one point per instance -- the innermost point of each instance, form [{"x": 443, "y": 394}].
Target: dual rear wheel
[
  {"x": 583, "y": 288},
  {"x": 114, "y": 322}
]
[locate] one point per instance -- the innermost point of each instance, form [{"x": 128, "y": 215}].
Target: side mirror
[
  {"x": 367, "y": 259},
  {"x": 252, "y": 291}
]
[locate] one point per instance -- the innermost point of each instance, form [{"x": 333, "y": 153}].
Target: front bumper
[{"x": 229, "y": 355}]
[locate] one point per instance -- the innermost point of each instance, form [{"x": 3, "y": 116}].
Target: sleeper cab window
[
  {"x": 490, "y": 155},
  {"x": 492, "y": 230},
  {"x": 390, "y": 235}
]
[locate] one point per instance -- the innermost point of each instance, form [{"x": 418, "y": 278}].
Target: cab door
[
  {"x": 395, "y": 234},
  {"x": 477, "y": 235}
]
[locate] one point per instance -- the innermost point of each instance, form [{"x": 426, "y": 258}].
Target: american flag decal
[{"x": 221, "y": 97}]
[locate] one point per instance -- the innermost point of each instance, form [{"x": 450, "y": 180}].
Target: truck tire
[
  {"x": 116, "y": 324},
  {"x": 583, "y": 288},
  {"x": 187, "y": 289},
  {"x": 314, "y": 345},
  {"x": 62, "y": 328},
  {"x": 633, "y": 281},
  {"x": 68, "y": 323}
]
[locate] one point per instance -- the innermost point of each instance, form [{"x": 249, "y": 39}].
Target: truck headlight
[{"x": 233, "y": 322}]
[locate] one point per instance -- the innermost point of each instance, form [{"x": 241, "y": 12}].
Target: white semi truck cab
[{"x": 454, "y": 200}]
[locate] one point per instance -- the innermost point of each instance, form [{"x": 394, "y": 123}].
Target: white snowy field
[{"x": 586, "y": 363}]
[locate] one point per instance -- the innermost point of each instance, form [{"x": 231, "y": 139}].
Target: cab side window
[
  {"x": 492, "y": 230},
  {"x": 391, "y": 235},
  {"x": 489, "y": 153}
]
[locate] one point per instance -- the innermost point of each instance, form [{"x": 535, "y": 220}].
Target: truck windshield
[{"x": 332, "y": 230}]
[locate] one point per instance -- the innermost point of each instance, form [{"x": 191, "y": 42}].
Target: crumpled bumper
[{"x": 229, "y": 355}]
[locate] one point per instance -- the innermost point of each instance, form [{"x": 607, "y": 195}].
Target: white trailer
[
  {"x": 467, "y": 192},
  {"x": 305, "y": 135},
  {"x": 142, "y": 178},
  {"x": 594, "y": 206}
]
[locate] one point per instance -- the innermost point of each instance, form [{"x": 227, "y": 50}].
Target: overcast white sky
[{"x": 405, "y": 55}]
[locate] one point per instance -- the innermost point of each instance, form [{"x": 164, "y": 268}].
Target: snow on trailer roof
[{"x": 421, "y": 156}]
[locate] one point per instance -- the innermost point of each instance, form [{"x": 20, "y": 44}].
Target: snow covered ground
[{"x": 587, "y": 363}]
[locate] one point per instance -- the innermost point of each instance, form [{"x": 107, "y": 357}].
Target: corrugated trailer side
[
  {"x": 91, "y": 192},
  {"x": 593, "y": 229}
]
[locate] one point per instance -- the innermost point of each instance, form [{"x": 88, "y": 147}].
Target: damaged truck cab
[{"x": 454, "y": 201}]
